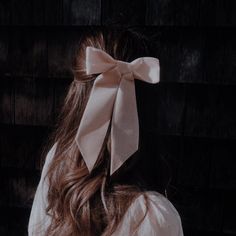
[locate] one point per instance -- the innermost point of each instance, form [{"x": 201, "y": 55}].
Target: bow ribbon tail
[
  {"x": 125, "y": 124},
  {"x": 96, "y": 118}
]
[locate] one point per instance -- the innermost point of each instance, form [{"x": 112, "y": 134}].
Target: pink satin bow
[{"x": 113, "y": 98}]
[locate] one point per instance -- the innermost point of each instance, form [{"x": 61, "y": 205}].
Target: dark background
[{"x": 190, "y": 116}]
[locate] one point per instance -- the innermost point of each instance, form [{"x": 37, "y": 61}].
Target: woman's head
[
  {"x": 81, "y": 202},
  {"x": 124, "y": 45}
]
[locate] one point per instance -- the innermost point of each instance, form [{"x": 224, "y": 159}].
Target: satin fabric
[
  {"x": 112, "y": 99},
  {"x": 162, "y": 219}
]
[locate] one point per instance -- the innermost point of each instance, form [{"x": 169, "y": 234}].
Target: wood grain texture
[
  {"x": 21, "y": 12},
  {"x": 222, "y": 171},
  {"x": 229, "y": 209},
  {"x": 191, "y": 13},
  {"x": 220, "y": 56},
  {"x": 28, "y": 12},
  {"x": 61, "y": 89},
  {"x": 7, "y": 101},
  {"x": 5, "y": 12},
  {"x": 168, "y": 150},
  {"x": 190, "y": 59},
  {"x": 165, "y": 99},
  {"x": 180, "y": 53},
  {"x": 170, "y": 104},
  {"x": 195, "y": 163},
  {"x": 161, "y": 12},
  {"x": 195, "y": 232},
  {"x": 201, "y": 210},
  {"x": 79, "y": 12},
  {"x": 186, "y": 56},
  {"x": 196, "y": 55},
  {"x": 28, "y": 53},
  {"x": 61, "y": 51},
  {"x": 4, "y": 52},
  {"x": 54, "y": 12},
  {"x": 14, "y": 220},
  {"x": 116, "y": 12},
  {"x": 21, "y": 147},
  {"x": 209, "y": 111},
  {"x": 22, "y": 189},
  {"x": 217, "y": 13},
  {"x": 34, "y": 100}
]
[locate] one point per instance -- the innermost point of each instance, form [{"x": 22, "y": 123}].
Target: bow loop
[
  {"x": 97, "y": 61},
  {"x": 124, "y": 67},
  {"x": 146, "y": 69}
]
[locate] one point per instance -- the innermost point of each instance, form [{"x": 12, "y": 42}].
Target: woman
[{"x": 78, "y": 197}]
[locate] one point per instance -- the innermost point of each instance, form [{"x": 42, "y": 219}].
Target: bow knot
[
  {"x": 112, "y": 99},
  {"x": 124, "y": 67}
]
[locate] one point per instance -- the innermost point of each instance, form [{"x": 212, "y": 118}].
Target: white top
[{"x": 162, "y": 218}]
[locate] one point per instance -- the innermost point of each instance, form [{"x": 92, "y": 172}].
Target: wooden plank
[
  {"x": 5, "y": 12},
  {"x": 220, "y": 56},
  {"x": 156, "y": 161},
  {"x": 28, "y": 12},
  {"x": 195, "y": 55},
  {"x": 222, "y": 172},
  {"x": 61, "y": 89},
  {"x": 28, "y": 53},
  {"x": 229, "y": 212},
  {"x": 191, "y": 13},
  {"x": 200, "y": 210},
  {"x": 195, "y": 232},
  {"x": 168, "y": 47},
  {"x": 54, "y": 12},
  {"x": 7, "y": 100},
  {"x": 170, "y": 109},
  {"x": 117, "y": 12},
  {"x": 181, "y": 54},
  {"x": 4, "y": 198},
  {"x": 217, "y": 13},
  {"x": 160, "y": 107},
  {"x": 195, "y": 163},
  {"x": 3, "y": 230},
  {"x": 161, "y": 12},
  {"x": 191, "y": 58},
  {"x": 209, "y": 111},
  {"x": 167, "y": 160},
  {"x": 61, "y": 51},
  {"x": 21, "y": 12},
  {"x": 4, "y": 52},
  {"x": 170, "y": 53},
  {"x": 38, "y": 9},
  {"x": 79, "y": 12},
  {"x": 14, "y": 220},
  {"x": 19, "y": 191},
  {"x": 20, "y": 52},
  {"x": 34, "y": 101},
  {"x": 21, "y": 147}
]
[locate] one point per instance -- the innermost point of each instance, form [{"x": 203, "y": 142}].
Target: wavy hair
[{"x": 79, "y": 202}]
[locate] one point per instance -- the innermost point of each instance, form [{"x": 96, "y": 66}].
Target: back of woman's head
[{"x": 83, "y": 203}]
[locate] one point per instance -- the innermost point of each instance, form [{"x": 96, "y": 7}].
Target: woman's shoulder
[
  {"x": 49, "y": 158},
  {"x": 158, "y": 201},
  {"x": 51, "y": 153},
  {"x": 154, "y": 214},
  {"x": 158, "y": 204}
]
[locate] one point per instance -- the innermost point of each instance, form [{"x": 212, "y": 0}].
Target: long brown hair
[{"x": 79, "y": 202}]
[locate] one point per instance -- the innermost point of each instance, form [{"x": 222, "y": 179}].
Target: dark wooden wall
[{"x": 192, "y": 117}]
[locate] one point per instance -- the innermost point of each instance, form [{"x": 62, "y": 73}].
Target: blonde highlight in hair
[{"x": 79, "y": 202}]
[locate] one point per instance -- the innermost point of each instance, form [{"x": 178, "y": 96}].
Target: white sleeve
[
  {"x": 39, "y": 220},
  {"x": 162, "y": 219}
]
